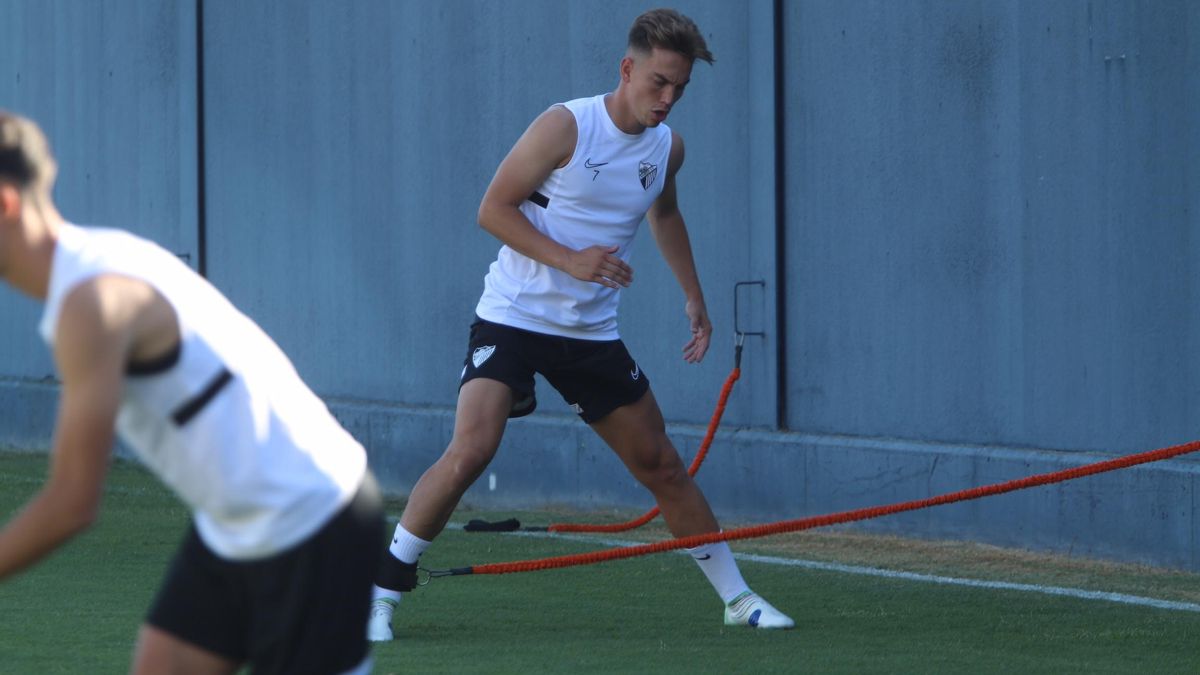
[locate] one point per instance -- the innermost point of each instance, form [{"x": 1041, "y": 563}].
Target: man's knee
[
  {"x": 673, "y": 472},
  {"x": 661, "y": 466},
  {"x": 468, "y": 456}
]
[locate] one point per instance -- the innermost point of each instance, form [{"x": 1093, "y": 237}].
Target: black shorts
[
  {"x": 595, "y": 377},
  {"x": 301, "y": 611}
]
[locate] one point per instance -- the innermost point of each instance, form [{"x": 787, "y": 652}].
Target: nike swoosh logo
[
  {"x": 706, "y": 556},
  {"x": 587, "y": 163}
]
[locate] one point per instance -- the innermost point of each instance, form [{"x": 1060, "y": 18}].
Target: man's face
[
  {"x": 10, "y": 218},
  {"x": 656, "y": 82},
  {"x": 9, "y": 200}
]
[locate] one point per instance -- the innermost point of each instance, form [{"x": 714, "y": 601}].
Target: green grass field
[{"x": 78, "y": 612}]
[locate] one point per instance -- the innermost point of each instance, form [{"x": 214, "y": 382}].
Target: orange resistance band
[{"x": 825, "y": 520}]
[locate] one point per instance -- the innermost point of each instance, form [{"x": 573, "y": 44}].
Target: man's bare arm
[{"x": 671, "y": 235}]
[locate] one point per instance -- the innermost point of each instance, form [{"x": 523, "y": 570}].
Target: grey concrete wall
[
  {"x": 991, "y": 222},
  {"x": 986, "y": 245},
  {"x": 348, "y": 153},
  {"x": 113, "y": 84}
]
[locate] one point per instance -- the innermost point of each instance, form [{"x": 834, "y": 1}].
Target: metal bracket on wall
[
  {"x": 739, "y": 335},
  {"x": 736, "y": 324}
]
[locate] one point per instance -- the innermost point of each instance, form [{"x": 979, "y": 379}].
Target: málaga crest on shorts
[{"x": 482, "y": 354}]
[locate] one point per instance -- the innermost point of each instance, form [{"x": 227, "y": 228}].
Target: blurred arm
[{"x": 90, "y": 351}]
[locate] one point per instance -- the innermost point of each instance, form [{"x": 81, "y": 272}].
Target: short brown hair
[
  {"x": 668, "y": 29},
  {"x": 25, "y": 157}
]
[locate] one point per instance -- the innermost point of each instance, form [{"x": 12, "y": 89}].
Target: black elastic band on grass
[{"x": 476, "y": 525}]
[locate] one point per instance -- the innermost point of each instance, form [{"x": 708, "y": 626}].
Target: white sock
[
  {"x": 407, "y": 548},
  {"x": 717, "y": 563},
  {"x": 385, "y": 595}
]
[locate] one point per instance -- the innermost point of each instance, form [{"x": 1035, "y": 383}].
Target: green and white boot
[
  {"x": 379, "y": 624},
  {"x": 749, "y": 609}
]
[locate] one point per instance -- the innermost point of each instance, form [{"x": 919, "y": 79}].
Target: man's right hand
[{"x": 600, "y": 265}]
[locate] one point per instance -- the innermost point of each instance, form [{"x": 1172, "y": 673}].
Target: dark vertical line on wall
[
  {"x": 201, "y": 211},
  {"x": 781, "y": 352}
]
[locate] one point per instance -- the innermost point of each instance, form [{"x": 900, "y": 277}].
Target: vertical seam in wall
[
  {"x": 781, "y": 403},
  {"x": 201, "y": 212}
]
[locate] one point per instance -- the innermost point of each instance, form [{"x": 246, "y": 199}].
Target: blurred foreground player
[{"x": 275, "y": 571}]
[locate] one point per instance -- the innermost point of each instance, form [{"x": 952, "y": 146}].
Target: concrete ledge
[{"x": 1144, "y": 514}]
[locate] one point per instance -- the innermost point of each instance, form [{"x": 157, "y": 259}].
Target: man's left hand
[{"x": 694, "y": 350}]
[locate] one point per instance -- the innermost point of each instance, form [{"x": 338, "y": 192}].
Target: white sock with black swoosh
[
  {"x": 406, "y": 546},
  {"x": 717, "y": 563}
]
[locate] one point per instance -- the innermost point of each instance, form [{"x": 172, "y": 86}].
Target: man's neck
[
  {"x": 29, "y": 270},
  {"x": 620, "y": 115}
]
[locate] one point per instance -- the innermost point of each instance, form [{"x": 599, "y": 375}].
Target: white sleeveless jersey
[
  {"x": 600, "y": 197},
  {"x": 228, "y": 425}
]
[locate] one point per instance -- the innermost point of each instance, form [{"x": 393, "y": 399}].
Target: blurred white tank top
[{"x": 228, "y": 425}]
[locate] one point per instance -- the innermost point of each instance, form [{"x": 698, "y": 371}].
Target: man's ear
[
  {"x": 10, "y": 201},
  {"x": 626, "y": 68}
]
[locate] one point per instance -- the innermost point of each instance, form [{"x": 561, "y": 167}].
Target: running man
[
  {"x": 566, "y": 202},
  {"x": 275, "y": 570}
]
